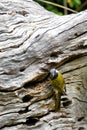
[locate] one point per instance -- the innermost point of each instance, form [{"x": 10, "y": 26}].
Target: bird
[{"x": 59, "y": 87}]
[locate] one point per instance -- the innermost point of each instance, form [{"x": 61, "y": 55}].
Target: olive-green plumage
[{"x": 58, "y": 84}]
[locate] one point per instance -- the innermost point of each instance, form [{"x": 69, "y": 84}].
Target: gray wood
[{"x": 32, "y": 41}]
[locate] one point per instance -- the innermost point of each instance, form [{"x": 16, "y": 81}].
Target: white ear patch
[{"x": 57, "y": 71}]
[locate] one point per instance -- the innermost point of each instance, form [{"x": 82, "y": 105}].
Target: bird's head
[{"x": 53, "y": 74}]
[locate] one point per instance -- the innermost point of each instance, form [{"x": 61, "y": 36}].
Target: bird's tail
[{"x": 57, "y": 101}]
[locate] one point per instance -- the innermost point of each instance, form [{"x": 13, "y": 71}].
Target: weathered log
[{"x": 32, "y": 41}]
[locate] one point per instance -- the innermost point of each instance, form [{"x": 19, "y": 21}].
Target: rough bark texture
[{"x": 33, "y": 40}]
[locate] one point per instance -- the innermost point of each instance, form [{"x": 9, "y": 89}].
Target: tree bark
[{"x": 32, "y": 41}]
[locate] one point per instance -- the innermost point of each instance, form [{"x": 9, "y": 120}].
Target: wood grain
[{"x": 32, "y": 41}]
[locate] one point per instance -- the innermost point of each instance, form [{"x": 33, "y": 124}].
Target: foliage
[{"x": 77, "y": 5}]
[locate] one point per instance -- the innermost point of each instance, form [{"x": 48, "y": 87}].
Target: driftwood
[{"x": 32, "y": 41}]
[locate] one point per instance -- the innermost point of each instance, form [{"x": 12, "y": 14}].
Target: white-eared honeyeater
[{"x": 59, "y": 87}]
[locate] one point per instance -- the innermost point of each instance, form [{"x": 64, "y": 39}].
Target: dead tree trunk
[{"x": 33, "y": 40}]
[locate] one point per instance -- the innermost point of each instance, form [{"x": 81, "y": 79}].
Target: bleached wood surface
[{"x": 31, "y": 40}]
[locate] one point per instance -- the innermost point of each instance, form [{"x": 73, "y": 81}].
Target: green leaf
[
  {"x": 71, "y": 4},
  {"x": 78, "y": 2}
]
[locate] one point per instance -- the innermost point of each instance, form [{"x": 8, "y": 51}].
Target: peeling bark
[{"x": 32, "y": 41}]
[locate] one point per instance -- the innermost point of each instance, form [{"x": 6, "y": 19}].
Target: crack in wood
[
  {"x": 27, "y": 98},
  {"x": 71, "y": 28},
  {"x": 81, "y": 118},
  {"x": 66, "y": 59},
  {"x": 32, "y": 120},
  {"x": 9, "y": 90},
  {"x": 15, "y": 46},
  {"x": 7, "y": 113},
  {"x": 10, "y": 125},
  {"x": 76, "y": 36},
  {"x": 23, "y": 12},
  {"x": 24, "y": 111},
  {"x": 81, "y": 128},
  {"x": 79, "y": 100},
  {"x": 59, "y": 25},
  {"x": 26, "y": 104}
]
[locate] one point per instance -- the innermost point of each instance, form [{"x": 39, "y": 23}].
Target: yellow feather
[
  {"x": 59, "y": 88},
  {"x": 58, "y": 83}
]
